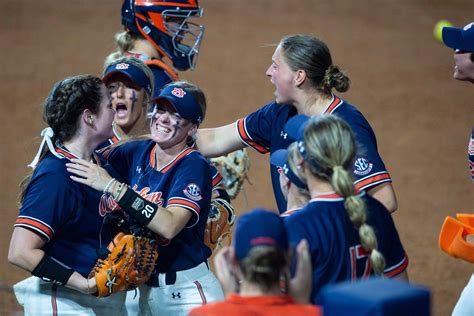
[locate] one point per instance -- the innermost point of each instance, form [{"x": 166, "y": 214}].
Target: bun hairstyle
[
  {"x": 308, "y": 53},
  {"x": 330, "y": 149}
]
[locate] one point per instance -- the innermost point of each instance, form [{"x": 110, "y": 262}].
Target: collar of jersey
[
  {"x": 335, "y": 102},
  {"x": 186, "y": 151},
  {"x": 65, "y": 153},
  {"x": 331, "y": 197}
]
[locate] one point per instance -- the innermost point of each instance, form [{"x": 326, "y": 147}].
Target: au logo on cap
[
  {"x": 121, "y": 66},
  {"x": 178, "y": 92}
]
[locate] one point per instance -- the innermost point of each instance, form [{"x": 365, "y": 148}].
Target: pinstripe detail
[
  {"x": 54, "y": 304},
  {"x": 201, "y": 292},
  {"x": 246, "y": 139}
]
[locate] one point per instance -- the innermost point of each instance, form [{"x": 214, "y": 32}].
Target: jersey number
[
  {"x": 148, "y": 210},
  {"x": 358, "y": 254}
]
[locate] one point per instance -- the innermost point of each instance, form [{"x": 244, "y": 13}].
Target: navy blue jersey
[
  {"x": 334, "y": 244},
  {"x": 65, "y": 213},
  {"x": 263, "y": 130},
  {"x": 186, "y": 182}
]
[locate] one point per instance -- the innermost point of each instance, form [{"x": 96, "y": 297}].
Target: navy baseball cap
[
  {"x": 279, "y": 158},
  {"x": 295, "y": 130},
  {"x": 461, "y": 39},
  {"x": 183, "y": 101},
  {"x": 256, "y": 228},
  {"x": 133, "y": 72}
]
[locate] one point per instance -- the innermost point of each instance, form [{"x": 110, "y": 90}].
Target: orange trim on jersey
[
  {"x": 65, "y": 153},
  {"x": 399, "y": 269},
  {"x": 152, "y": 157},
  {"x": 335, "y": 102},
  {"x": 176, "y": 159},
  {"x": 217, "y": 179},
  {"x": 379, "y": 177},
  {"x": 34, "y": 223},
  {"x": 163, "y": 66},
  {"x": 185, "y": 203},
  {"x": 114, "y": 140},
  {"x": 246, "y": 138},
  {"x": 145, "y": 2}
]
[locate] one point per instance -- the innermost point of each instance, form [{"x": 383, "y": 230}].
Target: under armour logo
[
  {"x": 139, "y": 169},
  {"x": 284, "y": 135},
  {"x": 176, "y": 295}
]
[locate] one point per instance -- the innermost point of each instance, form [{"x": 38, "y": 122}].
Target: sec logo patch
[
  {"x": 362, "y": 166},
  {"x": 193, "y": 192}
]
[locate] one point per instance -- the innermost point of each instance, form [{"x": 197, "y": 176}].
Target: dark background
[{"x": 401, "y": 81}]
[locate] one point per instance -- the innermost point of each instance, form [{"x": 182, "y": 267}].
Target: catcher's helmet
[{"x": 164, "y": 23}]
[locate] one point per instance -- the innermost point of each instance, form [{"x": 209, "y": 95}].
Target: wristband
[
  {"x": 51, "y": 270},
  {"x": 138, "y": 207}
]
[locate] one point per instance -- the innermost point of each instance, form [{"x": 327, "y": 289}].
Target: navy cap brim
[
  {"x": 295, "y": 126},
  {"x": 453, "y": 38},
  {"x": 279, "y": 157},
  {"x": 132, "y": 72}
]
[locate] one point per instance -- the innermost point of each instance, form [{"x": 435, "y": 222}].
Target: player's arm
[
  {"x": 26, "y": 252},
  {"x": 385, "y": 194},
  {"x": 218, "y": 141},
  {"x": 167, "y": 222}
]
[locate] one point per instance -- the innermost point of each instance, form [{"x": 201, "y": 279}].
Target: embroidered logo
[
  {"x": 177, "y": 295},
  {"x": 284, "y": 135},
  {"x": 193, "y": 192},
  {"x": 138, "y": 204},
  {"x": 121, "y": 66},
  {"x": 362, "y": 166},
  {"x": 178, "y": 92}
]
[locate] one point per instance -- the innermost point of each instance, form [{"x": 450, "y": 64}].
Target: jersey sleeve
[
  {"x": 191, "y": 187},
  {"x": 368, "y": 168},
  {"x": 48, "y": 203},
  {"x": 388, "y": 241},
  {"x": 255, "y": 130}
]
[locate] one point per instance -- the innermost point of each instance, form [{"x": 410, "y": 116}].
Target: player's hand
[
  {"x": 301, "y": 283},
  {"x": 223, "y": 267},
  {"x": 89, "y": 174}
]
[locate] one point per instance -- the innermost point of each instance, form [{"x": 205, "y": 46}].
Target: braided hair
[
  {"x": 330, "y": 149},
  {"x": 62, "y": 108}
]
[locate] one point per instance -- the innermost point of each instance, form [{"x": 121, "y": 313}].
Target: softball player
[
  {"x": 59, "y": 227},
  {"x": 304, "y": 76},
  {"x": 462, "y": 41},
  {"x": 260, "y": 259},
  {"x": 169, "y": 193},
  {"x": 294, "y": 190},
  {"x": 350, "y": 234},
  {"x": 158, "y": 31}
]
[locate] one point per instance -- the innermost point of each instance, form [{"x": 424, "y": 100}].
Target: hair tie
[
  {"x": 339, "y": 167},
  {"x": 47, "y": 134}
]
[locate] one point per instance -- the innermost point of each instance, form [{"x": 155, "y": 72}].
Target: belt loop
[{"x": 170, "y": 278}]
